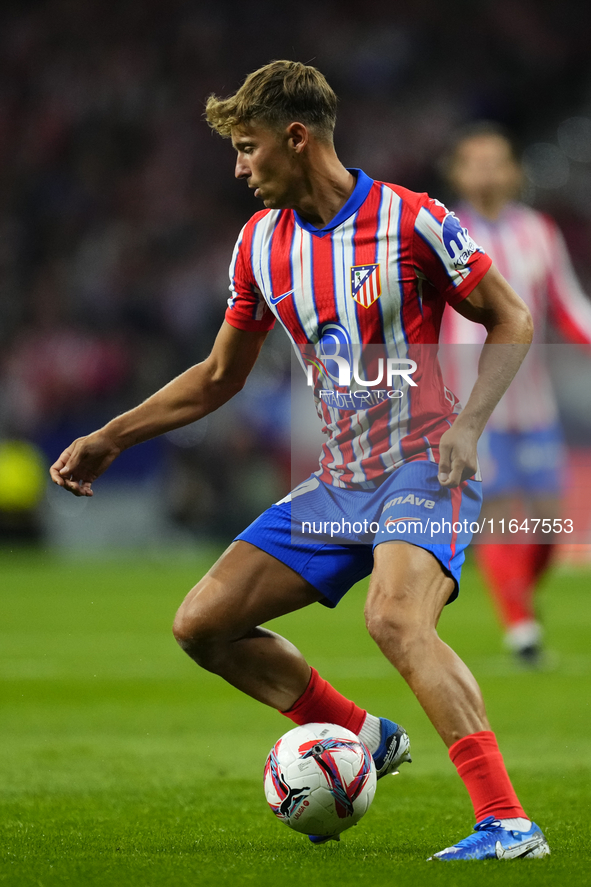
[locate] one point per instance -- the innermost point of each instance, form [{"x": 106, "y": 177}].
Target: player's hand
[
  {"x": 457, "y": 455},
  {"x": 82, "y": 462}
]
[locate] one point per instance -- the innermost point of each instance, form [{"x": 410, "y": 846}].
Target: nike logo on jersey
[{"x": 274, "y": 300}]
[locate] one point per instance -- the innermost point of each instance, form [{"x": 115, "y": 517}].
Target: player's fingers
[
  {"x": 444, "y": 464},
  {"x": 451, "y": 466},
  {"x": 67, "y": 467},
  {"x": 59, "y": 467},
  {"x": 71, "y": 486},
  {"x": 56, "y": 476},
  {"x": 78, "y": 488},
  {"x": 56, "y": 472},
  {"x": 79, "y": 464},
  {"x": 469, "y": 470},
  {"x": 454, "y": 477}
]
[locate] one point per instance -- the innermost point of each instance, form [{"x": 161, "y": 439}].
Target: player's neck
[
  {"x": 489, "y": 206},
  {"x": 326, "y": 187}
]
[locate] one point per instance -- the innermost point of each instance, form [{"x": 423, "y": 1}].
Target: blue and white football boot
[
  {"x": 492, "y": 841},
  {"x": 393, "y": 750}
]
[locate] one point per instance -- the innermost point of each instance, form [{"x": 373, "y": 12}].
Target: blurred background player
[{"x": 522, "y": 451}]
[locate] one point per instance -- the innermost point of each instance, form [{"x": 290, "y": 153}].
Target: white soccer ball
[{"x": 320, "y": 779}]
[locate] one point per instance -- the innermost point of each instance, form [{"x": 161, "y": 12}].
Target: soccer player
[
  {"x": 522, "y": 449},
  {"x": 340, "y": 259}
]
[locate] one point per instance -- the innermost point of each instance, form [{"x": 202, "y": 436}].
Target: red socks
[
  {"x": 511, "y": 572},
  {"x": 477, "y": 757},
  {"x": 481, "y": 767},
  {"x": 320, "y": 702}
]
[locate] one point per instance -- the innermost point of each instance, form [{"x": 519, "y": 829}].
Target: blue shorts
[
  {"x": 528, "y": 462},
  {"x": 327, "y": 534}
]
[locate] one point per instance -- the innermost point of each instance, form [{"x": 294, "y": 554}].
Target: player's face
[
  {"x": 484, "y": 168},
  {"x": 267, "y": 161}
]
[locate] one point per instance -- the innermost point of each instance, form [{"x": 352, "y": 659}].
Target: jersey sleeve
[
  {"x": 247, "y": 309},
  {"x": 445, "y": 254},
  {"x": 568, "y": 306}
]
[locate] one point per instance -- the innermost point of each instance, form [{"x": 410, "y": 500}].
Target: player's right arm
[{"x": 195, "y": 393}]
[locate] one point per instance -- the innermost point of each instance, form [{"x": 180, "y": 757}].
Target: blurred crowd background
[{"x": 119, "y": 212}]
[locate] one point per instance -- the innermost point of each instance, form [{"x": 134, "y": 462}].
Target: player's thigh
[
  {"x": 419, "y": 548},
  {"x": 244, "y": 588},
  {"x": 408, "y": 589}
]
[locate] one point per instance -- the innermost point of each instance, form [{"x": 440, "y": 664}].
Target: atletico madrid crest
[{"x": 366, "y": 286}]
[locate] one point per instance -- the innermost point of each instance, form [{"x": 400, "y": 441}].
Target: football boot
[
  {"x": 393, "y": 750},
  {"x": 493, "y": 841}
]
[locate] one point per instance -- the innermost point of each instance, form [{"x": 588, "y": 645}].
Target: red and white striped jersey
[
  {"x": 529, "y": 251},
  {"x": 380, "y": 273}
]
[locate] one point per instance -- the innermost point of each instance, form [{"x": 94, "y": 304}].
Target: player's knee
[
  {"x": 196, "y": 635},
  {"x": 385, "y": 627},
  {"x": 396, "y": 632},
  {"x": 183, "y": 629}
]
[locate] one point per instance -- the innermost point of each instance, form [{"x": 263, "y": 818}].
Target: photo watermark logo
[{"x": 335, "y": 371}]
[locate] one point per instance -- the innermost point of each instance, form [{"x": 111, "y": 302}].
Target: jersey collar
[{"x": 360, "y": 192}]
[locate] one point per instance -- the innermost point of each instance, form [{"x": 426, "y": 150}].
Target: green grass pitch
[{"x": 121, "y": 763}]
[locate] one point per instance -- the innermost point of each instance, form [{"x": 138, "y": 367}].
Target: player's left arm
[{"x": 496, "y": 305}]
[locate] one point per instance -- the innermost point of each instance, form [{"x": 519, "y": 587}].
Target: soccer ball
[{"x": 320, "y": 779}]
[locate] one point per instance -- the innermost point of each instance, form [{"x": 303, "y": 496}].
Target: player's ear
[{"x": 298, "y": 137}]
